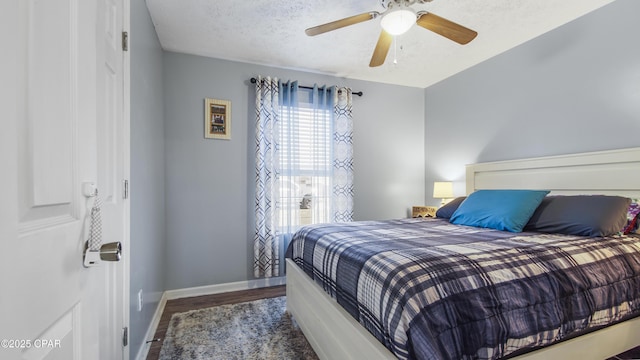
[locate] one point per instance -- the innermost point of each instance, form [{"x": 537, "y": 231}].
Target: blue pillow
[{"x": 498, "y": 209}]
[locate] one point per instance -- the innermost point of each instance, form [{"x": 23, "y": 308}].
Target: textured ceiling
[{"x": 269, "y": 32}]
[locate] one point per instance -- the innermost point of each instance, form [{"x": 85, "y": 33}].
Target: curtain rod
[{"x": 359, "y": 93}]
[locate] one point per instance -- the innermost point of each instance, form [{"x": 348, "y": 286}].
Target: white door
[
  {"x": 63, "y": 124},
  {"x": 113, "y": 164}
]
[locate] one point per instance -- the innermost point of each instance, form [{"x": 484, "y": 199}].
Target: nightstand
[{"x": 423, "y": 211}]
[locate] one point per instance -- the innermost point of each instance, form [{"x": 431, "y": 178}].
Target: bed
[{"x": 334, "y": 333}]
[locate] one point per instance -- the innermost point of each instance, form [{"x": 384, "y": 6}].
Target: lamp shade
[
  {"x": 443, "y": 189},
  {"x": 398, "y": 21}
]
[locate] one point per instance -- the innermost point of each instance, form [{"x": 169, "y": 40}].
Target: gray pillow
[
  {"x": 449, "y": 208},
  {"x": 586, "y": 215}
]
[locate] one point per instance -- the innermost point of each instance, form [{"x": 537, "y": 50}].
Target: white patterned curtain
[
  {"x": 342, "y": 155},
  {"x": 304, "y": 164},
  {"x": 266, "y": 250}
]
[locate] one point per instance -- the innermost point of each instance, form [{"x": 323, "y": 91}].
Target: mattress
[{"x": 427, "y": 289}]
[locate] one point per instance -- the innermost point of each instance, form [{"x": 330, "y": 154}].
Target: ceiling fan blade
[
  {"x": 382, "y": 49},
  {"x": 352, "y": 20},
  {"x": 446, "y": 28}
]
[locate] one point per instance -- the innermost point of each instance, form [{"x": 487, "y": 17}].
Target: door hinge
[
  {"x": 125, "y": 41},
  {"x": 125, "y": 336},
  {"x": 125, "y": 189}
]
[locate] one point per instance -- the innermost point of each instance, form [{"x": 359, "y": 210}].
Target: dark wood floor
[
  {"x": 202, "y": 302},
  {"x": 632, "y": 354}
]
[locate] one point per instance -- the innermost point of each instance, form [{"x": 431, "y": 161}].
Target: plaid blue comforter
[{"x": 427, "y": 289}]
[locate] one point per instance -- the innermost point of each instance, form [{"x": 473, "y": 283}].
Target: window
[{"x": 305, "y": 167}]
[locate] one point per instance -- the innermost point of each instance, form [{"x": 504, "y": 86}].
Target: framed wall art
[{"x": 217, "y": 119}]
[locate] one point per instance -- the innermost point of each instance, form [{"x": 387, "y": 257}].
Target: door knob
[
  {"x": 111, "y": 251},
  {"x": 108, "y": 252}
]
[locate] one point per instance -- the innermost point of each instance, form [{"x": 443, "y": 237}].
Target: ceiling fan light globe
[{"x": 398, "y": 21}]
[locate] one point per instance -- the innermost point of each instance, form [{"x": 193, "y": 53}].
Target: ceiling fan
[{"x": 397, "y": 19}]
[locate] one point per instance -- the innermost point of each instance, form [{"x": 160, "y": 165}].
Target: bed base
[
  {"x": 334, "y": 334},
  {"x": 332, "y": 331}
]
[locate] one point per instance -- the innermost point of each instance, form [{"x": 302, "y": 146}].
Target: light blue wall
[
  {"x": 147, "y": 174},
  {"x": 210, "y": 183},
  {"x": 575, "y": 89}
]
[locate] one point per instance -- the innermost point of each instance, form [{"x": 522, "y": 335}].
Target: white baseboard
[
  {"x": 143, "y": 350},
  {"x": 199, "y": 291},
  {"x": 223, "y": 288}
]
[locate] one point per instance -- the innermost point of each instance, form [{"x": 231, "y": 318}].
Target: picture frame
[{"x": 217, "y": 119}]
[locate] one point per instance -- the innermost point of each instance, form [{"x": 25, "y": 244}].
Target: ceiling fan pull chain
[{"x": 395, "y": 50}]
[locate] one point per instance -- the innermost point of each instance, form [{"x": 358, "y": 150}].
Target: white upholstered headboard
[{"x": 613, "y": 172}]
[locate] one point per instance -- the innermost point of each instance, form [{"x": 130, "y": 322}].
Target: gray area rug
[{"x": 260, "y": 329}]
